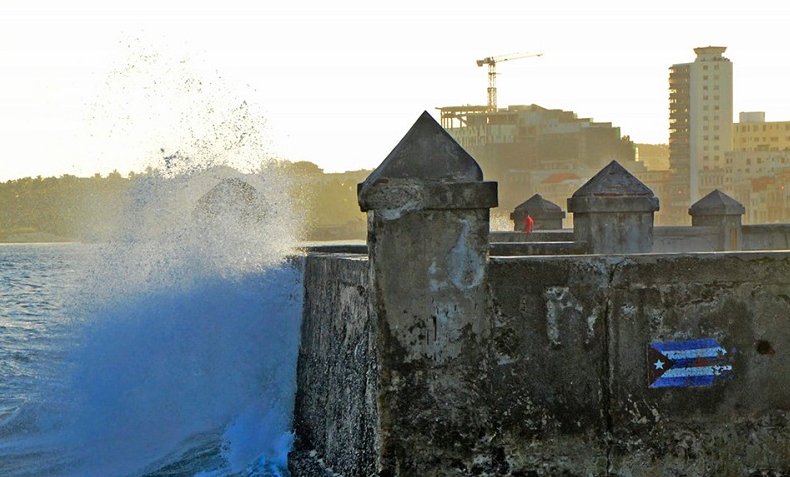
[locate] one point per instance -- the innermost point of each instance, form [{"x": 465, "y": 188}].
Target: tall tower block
[{"x": 700, "y": 120}]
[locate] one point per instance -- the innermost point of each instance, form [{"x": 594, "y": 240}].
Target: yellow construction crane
[{"x": 491, "y": 61}]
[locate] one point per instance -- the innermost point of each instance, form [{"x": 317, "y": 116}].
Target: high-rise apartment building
[{"x": 700, "y": 122}]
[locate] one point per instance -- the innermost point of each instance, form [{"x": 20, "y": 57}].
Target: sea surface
[{"x": 157, "y": 358}]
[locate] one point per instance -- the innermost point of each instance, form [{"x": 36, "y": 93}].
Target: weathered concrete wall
[
  {"x": 566, "y": 388},
  {"x": 687, "y": 239},
  {"x": 766, "y": 237},
  {"x": 514, "y": 249},
  {"x": 335, "y": 411},
  {"x": 562, "y": 235},
  {"x": 678, "y": 239},
  {"x": 548, "y": 392},
  {"x": 542, "y": 242},
  {"x": 736, "y": 426}
]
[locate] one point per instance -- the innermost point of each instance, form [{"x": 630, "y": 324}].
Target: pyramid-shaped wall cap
[
  {"x": 426, "y": 170},
  {"x": 613, "y": 181},
  {"x": 428, "y": 153},
  {"x": 717, "y": 203},
  {"x": 537, "y": 203},
  {"x": 613, "y": 189}
]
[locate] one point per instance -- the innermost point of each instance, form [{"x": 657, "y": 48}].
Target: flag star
[{"x": 659, "y": 364}]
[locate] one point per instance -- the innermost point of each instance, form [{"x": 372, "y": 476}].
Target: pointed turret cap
[
  {"x": 613, "y": 189},
  {"x": 717, "y": 203},
  {"x": 537, "y": 203},
  {"x": 611, "y": 181},
  {"x": 427, "y": 152},
  {"x": 426, "y": 170}
]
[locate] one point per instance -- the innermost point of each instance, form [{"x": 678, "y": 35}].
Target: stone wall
[
  {"x": 572, "y": 381},
  {"x": 569, "y": 370},
  {"x": 548, "y": 381},
  {"x": 739, "y": 424},
  {"x": 433, "y": 356},
  {"x": 671, "y": 239},
  {"x": 766, "y": 237},
  {"x": 335, "y": 413},
  {"x": 687, "y": 239},
  {"x": 536, "y": 236}
]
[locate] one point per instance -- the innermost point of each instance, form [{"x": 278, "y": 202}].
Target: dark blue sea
[{"x": 159, "y": 356}]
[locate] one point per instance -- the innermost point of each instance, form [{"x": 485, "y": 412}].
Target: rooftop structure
[{"x": 521, "y": 145}]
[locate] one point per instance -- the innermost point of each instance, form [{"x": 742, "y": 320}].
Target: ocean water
[{"x": 169, "y": 350}]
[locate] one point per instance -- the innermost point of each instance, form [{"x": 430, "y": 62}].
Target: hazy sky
[{"x": 94, "y": 87}]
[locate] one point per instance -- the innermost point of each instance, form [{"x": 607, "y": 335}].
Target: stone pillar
[
  {"x": 428, "y": 223},
  {"x": 717, "y": 209},
  {"x": 613, "y": 212},
  {"x": 546, "y": 214}
]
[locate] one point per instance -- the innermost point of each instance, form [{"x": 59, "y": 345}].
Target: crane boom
[{"x": 491, "y": 61}]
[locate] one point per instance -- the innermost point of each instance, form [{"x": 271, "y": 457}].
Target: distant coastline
[
  {"x": 90, "y": 209},
  {"x": 35, "y": 237}
]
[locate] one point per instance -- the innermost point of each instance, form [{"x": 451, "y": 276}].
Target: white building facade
[{"x": 700, "y": 112}]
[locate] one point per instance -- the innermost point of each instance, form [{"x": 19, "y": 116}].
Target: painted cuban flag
[{"x": 686, "y": 363}]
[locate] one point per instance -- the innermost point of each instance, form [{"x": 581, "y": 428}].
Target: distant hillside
[
  {"x": 70, "y": 208},
  {"x": 59, "y": 209}
]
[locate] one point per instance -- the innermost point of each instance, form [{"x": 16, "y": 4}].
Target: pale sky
[{"x": 92, "y": 87}]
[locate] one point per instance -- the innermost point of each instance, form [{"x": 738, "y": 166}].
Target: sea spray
[
  {"x": 185, "y": 338},
  {"x": 159, "y": 368},
  {"x": 179, "y": 355}
]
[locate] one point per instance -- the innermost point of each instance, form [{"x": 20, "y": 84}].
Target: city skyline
[{"x": 338, "y": 87}]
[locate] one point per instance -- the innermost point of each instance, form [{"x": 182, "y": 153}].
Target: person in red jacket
[{"x": 528, "y": 223}]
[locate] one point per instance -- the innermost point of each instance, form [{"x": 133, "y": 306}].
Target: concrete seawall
[
  {"x": 449, "y": 352},
  {"x": 335, "y": 414},
  {"x": 570, "y": 385}
]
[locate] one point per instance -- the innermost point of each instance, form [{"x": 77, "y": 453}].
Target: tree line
[{"x": 71, "y": 208}]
